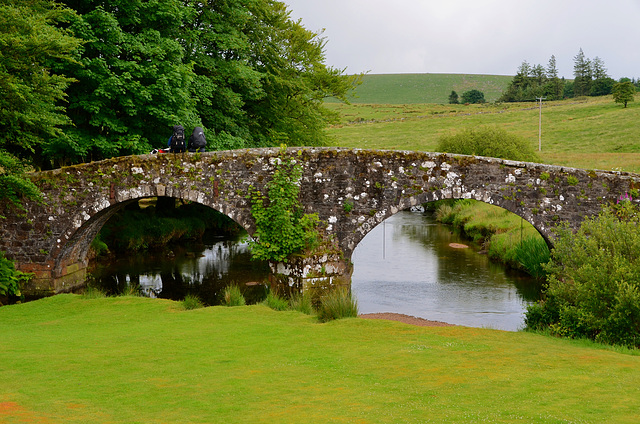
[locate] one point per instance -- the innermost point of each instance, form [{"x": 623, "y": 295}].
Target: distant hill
[{"x": 426, "y": 88}]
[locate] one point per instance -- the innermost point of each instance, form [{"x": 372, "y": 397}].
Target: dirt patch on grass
[{"x": 407, "y": 319}]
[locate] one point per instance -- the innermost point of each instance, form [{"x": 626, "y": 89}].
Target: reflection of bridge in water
[{"x": 52, "y": 239}]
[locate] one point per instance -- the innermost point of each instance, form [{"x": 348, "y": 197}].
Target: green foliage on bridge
[
  {"x": 594, "y": 280},
  {"x": 282, "y": 227}
]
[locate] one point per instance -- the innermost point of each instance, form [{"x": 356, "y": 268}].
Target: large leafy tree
[
  {"x": 31, "y": 93},
  {"x": 132, "y": 81},
  {"x": 295, "y": 80},
  {"x": 242, "y": 69},
  {"x": 624, "y": 92},
  {"x": 260, "y": 76}
]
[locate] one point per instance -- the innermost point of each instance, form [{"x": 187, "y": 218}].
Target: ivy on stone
[{"x": 282, "y": 227}]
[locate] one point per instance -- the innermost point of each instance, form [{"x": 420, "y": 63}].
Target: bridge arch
[{"x": 351, "y": 190}]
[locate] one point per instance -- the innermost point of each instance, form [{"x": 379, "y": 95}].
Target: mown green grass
[
  {"x": 426, "y": 88},
  {"x": 67, "y": 359},
  {"x": 590, "y": 133}
]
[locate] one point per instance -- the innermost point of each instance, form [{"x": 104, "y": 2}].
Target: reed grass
[
  {"x": 337, "y": 304},
  {"x": 302, "y": 302},
  {"x": 232, "y": 296},
  {"x": 276, "y": 302},
  {"x": 191, "y": 301}
]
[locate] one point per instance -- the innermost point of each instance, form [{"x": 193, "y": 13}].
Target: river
[{"x": 405, "y": 265}]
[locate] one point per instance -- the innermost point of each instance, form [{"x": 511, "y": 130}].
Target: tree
[
  {"x": 31, "y": 92},
  {"x": 293, "y": 76},
  {"x": 528, "y": 83},
  {"x": 241, "y": 69},
  {"x": 624, "y": 92},
  {"x": 582, "y": 74},
  {"x": 453, "y": 98},
  {"x": 554, "y": 87},
  {"x": 473, "y": 96},
  {"x": 132, "y": 82},
  {"x": 602, "y": 84}
]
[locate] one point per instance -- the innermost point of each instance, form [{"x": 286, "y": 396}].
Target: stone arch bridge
[{"x": 352, "y": 191}]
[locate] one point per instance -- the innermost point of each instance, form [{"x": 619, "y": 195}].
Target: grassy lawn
[
  {"x": 592, "y": 133},
  {"x": 134, "y": 360}
]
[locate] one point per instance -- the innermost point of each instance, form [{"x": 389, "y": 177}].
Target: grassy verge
[{"x": 134, "y": 360}]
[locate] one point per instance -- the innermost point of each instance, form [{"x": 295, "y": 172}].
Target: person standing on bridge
[{"x": 197, "y": 140}]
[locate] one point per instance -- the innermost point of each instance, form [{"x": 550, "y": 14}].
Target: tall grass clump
[
  {"x": 131, "y": 289},
  {"x": 92, "y": 292},
  {"x": 232, "y": 296},
  {"x": 488, "y": 141},
  {"x": 337, "y": 304},
  {"x": 276, "y": 302},
  {"x": 302, "y": 302},
  {"x": 191, "y": 301},
  {"x": 532, "y": 254}
]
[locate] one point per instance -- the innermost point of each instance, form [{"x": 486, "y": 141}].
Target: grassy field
[
  {"x": 67, "y": 359},
  {"x": 591, "y": 133},
  {"x": 426, "y": 88}
]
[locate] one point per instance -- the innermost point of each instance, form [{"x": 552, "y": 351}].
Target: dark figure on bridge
[
  {"x": 176, "y": 141},
  {"x": 197, "y": 141}
]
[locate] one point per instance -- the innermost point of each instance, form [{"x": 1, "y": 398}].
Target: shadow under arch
[{"x": 71, "y": 259}]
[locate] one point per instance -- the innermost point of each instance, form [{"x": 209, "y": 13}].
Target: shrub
[
  {"x": 337, "y": 304},
  {"x": 594, "y": 280},
  {"x": 233, "y": 296},
  {"x": 192, "y": 302},
  {"x": 282, "y": 227},
  {"x": 10, "y": 278},
  {"x": 487, "y": 141},
  {"x": 276, "y": 302}
]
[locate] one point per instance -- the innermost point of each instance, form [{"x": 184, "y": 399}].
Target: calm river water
[{"x": 405, "y": 265}]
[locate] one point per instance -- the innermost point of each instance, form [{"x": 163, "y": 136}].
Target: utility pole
[{"x": 540, "y": 124}]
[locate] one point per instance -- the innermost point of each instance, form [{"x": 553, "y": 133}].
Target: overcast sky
[{"x": 474, "y": 36}]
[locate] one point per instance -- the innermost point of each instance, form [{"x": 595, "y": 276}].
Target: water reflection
[
  {"x": 199, "y": 269},
  {"x": 406, "y": 265}
]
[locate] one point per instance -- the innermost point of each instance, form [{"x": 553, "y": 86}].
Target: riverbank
[
  {"x": 68, "y": 359},
  {"x": 505, "y": 237}
]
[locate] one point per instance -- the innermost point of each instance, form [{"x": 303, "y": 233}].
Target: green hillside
[
  {"x": 592, "y": 133},
  {"x": 426, "y": 88}
]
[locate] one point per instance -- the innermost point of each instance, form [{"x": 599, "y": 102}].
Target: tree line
[{"x": 535, "y": 81}]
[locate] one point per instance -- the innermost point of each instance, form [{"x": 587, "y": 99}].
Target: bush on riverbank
[{"x": 594, "y": 280}]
